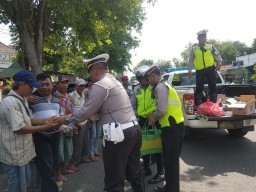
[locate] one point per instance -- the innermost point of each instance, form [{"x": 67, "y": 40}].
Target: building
[
  {"x": 5, "y": 54},
  {"x": 248, "y": 60}
]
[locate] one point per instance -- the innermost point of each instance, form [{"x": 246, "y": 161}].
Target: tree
[
  {"x": 65, "y": 29},
  {"x": 147, "y": 62},
  {"x": 163, "y": 65}
]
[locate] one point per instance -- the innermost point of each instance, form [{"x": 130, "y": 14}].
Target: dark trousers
[
  {"x": 122, "y": 161},
  {"x": 159, "y": 162},
  {"x": 158, "y": 157},
  {"x": 46, "y": 160},
  {"x": 209, "y": 75},
  {"x": 172, "y": 138},
  {"x": 80, "y": 144}
]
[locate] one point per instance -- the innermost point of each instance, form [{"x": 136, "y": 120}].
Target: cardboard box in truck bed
[{"x": 246, "y": 106}]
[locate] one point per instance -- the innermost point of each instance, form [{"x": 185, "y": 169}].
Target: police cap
[
  {"x": 103, "y": 58},
  {"x": 202, "y": 32},
  {"x": 151, "y": 69}
]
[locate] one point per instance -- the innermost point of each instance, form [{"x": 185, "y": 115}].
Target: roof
[
  {"x": 9, "y": 72},
  {"x": 5, "y": 49}
]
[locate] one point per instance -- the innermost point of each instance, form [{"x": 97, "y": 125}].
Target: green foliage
[
  {"x": 66, "y": 29},
  {"x": 164, "y": 64},
  {"x": 147, "y": 62}
]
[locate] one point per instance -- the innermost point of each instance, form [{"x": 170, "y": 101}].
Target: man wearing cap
[
  {"x": 16, "y": 126},
  {"x": 109, "y": 98},
  {"x": 203, "y": 56},
  {"x": 125, "y": 82},
  {"x": 169, "y": 115},
  {"x": 145, "y": 105},
  {"x": 80, "y": 139},
  {"x": 65, "y": 143}
]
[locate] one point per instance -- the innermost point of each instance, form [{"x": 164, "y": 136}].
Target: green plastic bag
[{"x": 151, "y": 140}]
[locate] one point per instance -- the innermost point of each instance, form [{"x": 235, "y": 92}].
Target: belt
[{"x": 128, "y": 125}]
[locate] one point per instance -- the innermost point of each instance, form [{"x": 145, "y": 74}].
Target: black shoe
[
  {"x": 147, "y": 171},
  {"x": 156, "y": 179},
  {"x": 159, "y": 189}
]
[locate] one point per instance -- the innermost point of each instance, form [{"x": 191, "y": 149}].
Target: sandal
[
  {"x": 67, "y": 171},
  {"x": 93, "y": 159},
  {"x": 61, "y": 178}
]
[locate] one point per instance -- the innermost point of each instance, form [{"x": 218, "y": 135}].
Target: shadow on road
[{"x": 214, "y": 152}]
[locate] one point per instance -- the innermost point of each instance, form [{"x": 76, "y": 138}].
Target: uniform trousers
[
  {"x": 46, "y": 160},
  {"x": 122, "y": 161},
  {"x": 80, "y": 144},
  {"x": 172, "y": 138},
  {"x": 208, "y": 74}
]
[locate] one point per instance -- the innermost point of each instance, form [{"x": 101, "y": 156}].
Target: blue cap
[{"x": 26, "y": 77}]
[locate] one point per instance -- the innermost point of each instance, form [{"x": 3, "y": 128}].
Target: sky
[{"x": 172, "y": 24}]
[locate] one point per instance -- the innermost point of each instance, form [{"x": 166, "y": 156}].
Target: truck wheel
[{"x": 237, "y": 132}]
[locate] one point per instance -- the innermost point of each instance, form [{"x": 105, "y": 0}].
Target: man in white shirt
[{"x": 80, "y": 139}]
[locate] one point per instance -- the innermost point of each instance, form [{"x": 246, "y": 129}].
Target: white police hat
[
  {"x": 141, "y": 70},
  {"x": 202, "y": 32},
  {"x": 103, "y": 58},
  {"x": 151, "y": 69}
]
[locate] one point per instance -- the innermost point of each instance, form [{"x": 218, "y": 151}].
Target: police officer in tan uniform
[
  {"x": 169, "y": 115},
  {"x": 109, "y": 98}
]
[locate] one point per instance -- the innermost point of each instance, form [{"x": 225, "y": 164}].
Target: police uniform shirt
[
  {"x": 161, "y": 93},
  {"x": 216, "y": 55},
  {"x": 105, "y": 99}
]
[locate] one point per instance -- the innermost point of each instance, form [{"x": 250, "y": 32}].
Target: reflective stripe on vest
[
  {"x": 203, "y": 59},
  {"x": 173, "y": 109},
  {"x": 145, "y": 103}
]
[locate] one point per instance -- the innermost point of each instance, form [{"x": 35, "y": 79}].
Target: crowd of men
[{"x": 60, "y": 130}]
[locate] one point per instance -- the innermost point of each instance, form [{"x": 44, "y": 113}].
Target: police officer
[
  {"x": 145, "y": 105},
  {"x": 109, "y": 98},
  {"x": 203, "y": 56},
  {"x": 170, "y": 117}
]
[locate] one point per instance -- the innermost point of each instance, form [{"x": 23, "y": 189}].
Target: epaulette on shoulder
[{"x": 209, "y": 43}]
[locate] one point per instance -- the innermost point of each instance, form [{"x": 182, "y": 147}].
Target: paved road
[{"x": 211, "y": 161}]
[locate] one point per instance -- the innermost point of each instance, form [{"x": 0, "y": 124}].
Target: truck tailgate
[{"x": 228, "y": 118}]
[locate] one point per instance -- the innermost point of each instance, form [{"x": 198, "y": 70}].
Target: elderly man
[
  {"x": 80, "y": 139},
  {"x": 109, "y": 98},
  {"x": 16, "y": 126}
]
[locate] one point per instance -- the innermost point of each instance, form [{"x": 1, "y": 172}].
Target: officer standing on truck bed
[{"x": 203, "y": 56}]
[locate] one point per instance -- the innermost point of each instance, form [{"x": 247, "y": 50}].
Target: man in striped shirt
[{"x": 46, "y": 143}]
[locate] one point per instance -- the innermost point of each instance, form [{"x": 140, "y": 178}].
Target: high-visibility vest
[
  {"x": 203, "y": 58},
  {"x": 173, "y": 115},
  {"x": 145, "y": 103}
]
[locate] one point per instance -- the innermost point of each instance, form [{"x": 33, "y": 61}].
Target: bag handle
[{"x": 146, "y": 128}]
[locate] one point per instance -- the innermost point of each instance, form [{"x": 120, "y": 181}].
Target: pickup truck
[{"x": 237, "y": 126}]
